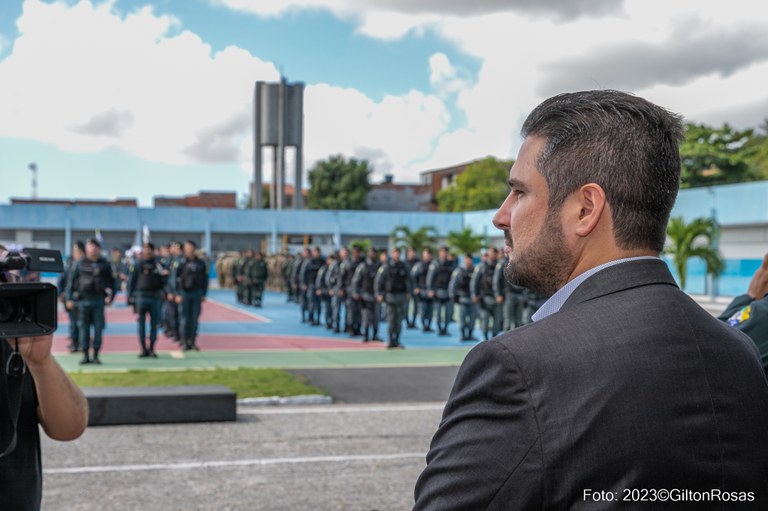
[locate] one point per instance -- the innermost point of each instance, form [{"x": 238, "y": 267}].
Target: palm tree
[
  {"x": 421, "y": 238},
  {"x": 695, "y": 239},
  {"x": 465, "y": 241}
]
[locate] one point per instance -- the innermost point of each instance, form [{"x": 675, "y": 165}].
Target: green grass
[{"x": 246, "y": 382}]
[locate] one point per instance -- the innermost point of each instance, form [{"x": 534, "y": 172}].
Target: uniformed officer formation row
[
  {"x": 351, "y": 293},
  {"x": 165, "y": 287}
]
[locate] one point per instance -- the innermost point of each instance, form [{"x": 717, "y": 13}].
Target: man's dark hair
[
  {"x": 191, "y": 242},
  {"x": 93, "y": 241},
  {"x": 625, "y": 144},
  {"x": 80, "y": 245},
  {"x": 150, "y": 245}
]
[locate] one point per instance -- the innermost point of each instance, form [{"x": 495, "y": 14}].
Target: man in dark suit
[{"x": 622, "y": 388}]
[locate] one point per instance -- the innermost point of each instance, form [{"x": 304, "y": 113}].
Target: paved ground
[
  {"x": 339, "y": 457},
  {"x": 383, "y": 385}
]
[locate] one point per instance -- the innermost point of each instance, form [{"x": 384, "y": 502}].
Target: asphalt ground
[
  {"x": 337, "y": 457},
  {"x": 383, "y": 385}
]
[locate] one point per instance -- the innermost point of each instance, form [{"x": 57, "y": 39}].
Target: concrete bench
[{"x": 160, "y": 405}]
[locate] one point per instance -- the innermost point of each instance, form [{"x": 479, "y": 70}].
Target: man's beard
[{"x": 545, "y": 267}]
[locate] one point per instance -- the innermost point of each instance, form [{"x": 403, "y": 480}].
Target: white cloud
[
  {"x": 85, "y": 78},
  {"x": 444, "y": 76},
  {"x": 139, "y": 83}
]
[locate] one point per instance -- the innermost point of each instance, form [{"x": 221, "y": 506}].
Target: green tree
[
  {"x": 363, "y": 244},
  {"x": 757, "y": 148},
  {"x": 338, "y": 183},
  {"x": 712, "y": 156},
  {"x": 465, "y": 241},
  {"x": 419, "y": 239},
  {"x": 695, "y": 239},
  {"x": 482, "y": 185}
]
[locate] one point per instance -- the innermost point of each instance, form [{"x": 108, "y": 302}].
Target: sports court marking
[
  {"x": 344, "y": 409},
  {"x": 234, "y": 463},
  {"x": 262, "y": 319}
]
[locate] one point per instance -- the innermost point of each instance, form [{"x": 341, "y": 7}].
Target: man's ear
[{"x": 590, "y": 202}]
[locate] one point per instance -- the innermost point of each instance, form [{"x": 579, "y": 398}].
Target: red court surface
[
  {"x": 212, "y": 312},
  {"x": 122, "y": 343}
]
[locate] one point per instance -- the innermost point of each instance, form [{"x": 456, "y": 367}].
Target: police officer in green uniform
[
  {"x": 336, "y": 288},
  {"x": 420, "y": 291},
  {"x": 90, "y": 288},
  {"x": 483, "y": 295},
  {"x": 243, "y": 277},
  {"x": 309, "y": 271},
  {"x": 438, "y": 278},
  {"x": 749, "y": 312},
  {"x": 190, "y": 287},
  {"x": 171, "y": 316},
  {"x": 412, "y": 305},
  {"x": 393, "y": 286},
  {"x": 257, "y": 277},
  {"x": 353, "y": 314},
  {"x": 234, "y": 271},
  {"x": 323, "y": 291},
  {"x": 459, "y": 291},
  {"x": 363, "y": 284},
  {"x": 78, "y": 251},
  {"x": 298, "y": 272},
  {"x": 512, "y": 297},
  {"x": 285, "y": 272},
  {"x": 146, "y": 282}
]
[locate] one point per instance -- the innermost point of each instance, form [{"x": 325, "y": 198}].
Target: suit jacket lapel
[{"x": 619, "y": 278}]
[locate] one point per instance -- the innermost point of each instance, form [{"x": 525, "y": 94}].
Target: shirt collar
[{"x": 557, "y": 300}]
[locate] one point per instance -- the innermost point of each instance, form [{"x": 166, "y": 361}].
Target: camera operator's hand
[
  {"x": 35, "y": 350},
  {"x": 758, "y": 286},
  {"x": 62, "y": 409},
  {"x": 69, "y": 304},
  {"x": 177, "y": 299}
]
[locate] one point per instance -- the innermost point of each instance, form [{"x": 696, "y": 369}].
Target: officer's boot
[
  {"x": 96, "y": 357},
  {"x": 86, "y": 359}
]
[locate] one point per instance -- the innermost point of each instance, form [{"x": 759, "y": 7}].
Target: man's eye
[{"x": 516, "y": 192}]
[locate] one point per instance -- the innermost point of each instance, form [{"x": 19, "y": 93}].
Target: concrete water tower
[{"x": 278, "y": 123}]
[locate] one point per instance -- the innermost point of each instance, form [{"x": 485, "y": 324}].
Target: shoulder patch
[{"x": 741, "y": 316}]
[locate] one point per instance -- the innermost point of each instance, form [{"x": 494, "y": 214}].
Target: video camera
[{"x": 28, "y": 309}]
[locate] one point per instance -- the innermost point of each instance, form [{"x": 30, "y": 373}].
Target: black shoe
[
  {"x": 85, "y": 360},
  {"x": 392, "y": 346},
  {"x": 96, "y": 361},
  {"x": 443, "y": 333},
  {"x": 152, "y": 354},
  {"x": 144, "y": 354},
  {"x": 427, "y": 329},
  {"x": 376, "y": 339}
]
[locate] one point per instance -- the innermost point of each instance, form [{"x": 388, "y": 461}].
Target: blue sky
[{"x": 131, "y": 98}]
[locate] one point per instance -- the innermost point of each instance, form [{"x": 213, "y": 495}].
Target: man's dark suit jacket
[{"x": 631, "y": 385}]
